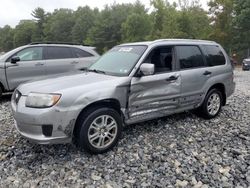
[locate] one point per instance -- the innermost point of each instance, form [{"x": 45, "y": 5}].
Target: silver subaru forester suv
[{"x": 130, "y": 83}]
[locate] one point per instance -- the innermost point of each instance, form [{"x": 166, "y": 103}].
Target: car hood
[{"x": 58, "y": 83}]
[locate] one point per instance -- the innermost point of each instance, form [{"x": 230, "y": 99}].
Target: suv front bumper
[{"x": 32, "y": 123}]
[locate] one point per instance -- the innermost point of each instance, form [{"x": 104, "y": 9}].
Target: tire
[
  {"x": 1, "y": 93},
  {"x": 211, "y": 106},
  {"x": 93, "y": 134}
]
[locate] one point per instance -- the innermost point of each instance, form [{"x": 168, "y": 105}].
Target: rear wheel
[
  {"x": 99, "y": 130},
  {"x": 212, "y": 104}
]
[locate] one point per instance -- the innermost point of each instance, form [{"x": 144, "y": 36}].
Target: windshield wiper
[{"x": 96, "y": 71}]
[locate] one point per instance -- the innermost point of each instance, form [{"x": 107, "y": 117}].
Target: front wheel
[
  {"x": 99, "y": 130},
  {"x": 212, "y": 104},
  {"x": 1, "y": 93}
]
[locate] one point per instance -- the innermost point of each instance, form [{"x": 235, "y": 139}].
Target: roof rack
[
  {"x": 50, "y": 42},
  {"x": 190, "y": 40}
]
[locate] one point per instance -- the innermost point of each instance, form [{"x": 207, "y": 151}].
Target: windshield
[{"x": 120, "y": 60}]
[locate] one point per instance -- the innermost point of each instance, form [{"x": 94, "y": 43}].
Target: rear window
[
  {"x": 78, "y": 53},
  {"x": 214, "y": 55},
  {"x": 58, "y": 53},
  {"x": 190, "y": 57}
]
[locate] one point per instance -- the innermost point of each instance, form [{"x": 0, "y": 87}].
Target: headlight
[
  {"x": 16, "y": 96},
  {"x": 42, "y": 100}
]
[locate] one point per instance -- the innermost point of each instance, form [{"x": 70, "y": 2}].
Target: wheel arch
[
  {"x": 111, "y": 103},
  {"x": 222, "y": 89}
]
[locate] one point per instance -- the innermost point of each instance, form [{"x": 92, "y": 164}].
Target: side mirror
[
  {"x": 15, "y": 59},
  {"x": 147, "y": 69}
]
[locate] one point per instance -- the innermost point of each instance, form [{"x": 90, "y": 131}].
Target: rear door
[
  {"x": 31, "y": 66},
  {"x": 194, "y": 74},
  {"x": 59, "y": 59},
  {"x": 83, "y": 58}
]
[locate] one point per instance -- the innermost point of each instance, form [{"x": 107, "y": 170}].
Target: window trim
[
  {"x": 174, "y": 65},
  {"x": 203, "y": 47},
  {"x": 46, "y": 52},
  {"x": 192, "y": 68},
  {"x": 43, "y": 53},
  {"x": 74, "y": 54}
]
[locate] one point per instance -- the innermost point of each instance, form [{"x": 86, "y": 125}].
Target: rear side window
[
  {"x": 78, "y": 53},
  {"x": 214, "y": 56},
  {"x": 190, "y": 57},
  {"x": 58, "y": 53}
]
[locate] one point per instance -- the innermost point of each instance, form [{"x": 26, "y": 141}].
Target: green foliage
[
  {"x": 40, "y": 19},
  {"x": 226, "y": 22},
  {"x": 59, "y": 25},
  {"x": 6, "y": 38},
  {"x": 136, "y": 28},
  {"x": 24, "y": 32},
  {"x": 242, "y": 23},
  {"x": 84, "y": 21},
  {"x": 221, "y": 12}
]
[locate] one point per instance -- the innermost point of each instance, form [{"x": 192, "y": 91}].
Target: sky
[{"x": 12, "y": 11}]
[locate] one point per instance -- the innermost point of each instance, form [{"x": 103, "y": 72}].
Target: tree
[
  {"x": 193, "y": 21},
  {"x": 6, "y": 38},
  {"x": 136, "y": 28},
  {"x": 158, "y": 16},
  {"x": 85, "y": 19},
  {"x": 107, "y": 29},
  {"x": 59, "y": 25},
  {"x": 40, "y": 19},
  {"x": 23, "y": 32},
  {"x": 221, "y": 12},
  {"x": 241, "y": 24}
]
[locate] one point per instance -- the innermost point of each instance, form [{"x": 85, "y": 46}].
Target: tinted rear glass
[
  {"x": 58, "y": 53},
  {"x": 190, "y": 57},
  {"x": 214, "y": 55},
  {"x": 80, "y": 53}
]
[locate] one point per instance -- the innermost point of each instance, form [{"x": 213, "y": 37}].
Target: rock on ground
[{"x": 180, "y": 150}]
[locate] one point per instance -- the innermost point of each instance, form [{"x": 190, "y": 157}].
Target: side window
[
  {"x": 78, "y": 53},
  {"x": 214, "y": 55},
  {"x": 190, "y": 57},
  {"x": 58, "y": 52},
  {"x": 162, "y": 58},
  {"x": 30, "y": 54}
]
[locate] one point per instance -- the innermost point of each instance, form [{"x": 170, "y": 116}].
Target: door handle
[
  {"x": 74, "y": 62},
  {"x": 172, "y": 78},
  {"x": 206, "y": 73},
  {"x": 39, "y": 64}
]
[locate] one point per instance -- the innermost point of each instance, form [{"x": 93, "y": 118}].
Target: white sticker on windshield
[{"x": 125, "y": 49}]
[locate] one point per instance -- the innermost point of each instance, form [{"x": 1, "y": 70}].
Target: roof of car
[
  {"x": 180, "y": 41},
  {"x": 57, "y": 44}
]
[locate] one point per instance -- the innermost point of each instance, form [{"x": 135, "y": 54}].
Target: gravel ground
[{"x": 176, "y": 151}]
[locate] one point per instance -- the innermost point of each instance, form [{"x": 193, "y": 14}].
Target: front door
[
  {"x": 156, "y": 95},
  {"x": 31, "y": 66}
]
